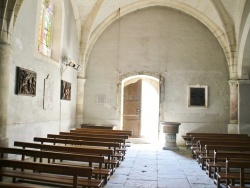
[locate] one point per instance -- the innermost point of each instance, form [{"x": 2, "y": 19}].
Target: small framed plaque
[{"x": 198, "y": 96}]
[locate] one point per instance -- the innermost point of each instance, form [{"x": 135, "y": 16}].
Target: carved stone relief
[
  {"x": 26, "y": 82},
  {"x": 65, "y": 90}
]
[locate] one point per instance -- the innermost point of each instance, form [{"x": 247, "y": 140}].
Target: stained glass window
[{"x": 45, "y": 28}]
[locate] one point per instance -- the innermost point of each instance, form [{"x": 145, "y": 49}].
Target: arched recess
[
  {"x": 215, "y": 29},
  {"x": 144, "y": 118},
  {"x": 244, "y": 51}
]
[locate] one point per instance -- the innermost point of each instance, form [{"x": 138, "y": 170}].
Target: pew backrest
[
  {"x": 76, "y": 142},
  {"x": 105, "y": 135},
  {"x": 69, "y": 149},
  {"x": 213, "y": 148},
  {"x": 129, "y": 133},
  {"x": 51, "y": 155},
  {"x": 86, "y": 138}
]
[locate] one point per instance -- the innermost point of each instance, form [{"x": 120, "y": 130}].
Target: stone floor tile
[
  {"x": 152, "y": 168},
  {"x": 127, "y": 164},
  {"x": 143, "y": 175},
  {"x": 140, "y": 184},
  {"x": 173, "y": 183},
  {"x": 201, "y": 186},
  {"x": 123, "y": 170},
  {"x": 114, "y": 185},
  {"x": 118, "y": 178},
  {"x": 171, "y": 172}
]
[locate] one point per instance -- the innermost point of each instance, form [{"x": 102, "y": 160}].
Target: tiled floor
[{"x": 148, "y": 166}]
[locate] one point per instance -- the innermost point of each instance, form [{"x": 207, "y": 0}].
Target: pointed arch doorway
[{"x": 140, "y": 106}]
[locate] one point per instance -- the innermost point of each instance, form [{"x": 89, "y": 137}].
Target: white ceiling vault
[{"x": 222, "y": 17}]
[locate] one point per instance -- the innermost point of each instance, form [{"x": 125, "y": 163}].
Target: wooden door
[{"x": 132, "y": 108}]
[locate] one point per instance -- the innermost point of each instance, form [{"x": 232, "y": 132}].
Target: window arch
[{"x": 45, "y": 28}]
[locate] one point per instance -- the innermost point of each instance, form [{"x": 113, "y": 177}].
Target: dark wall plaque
[
  {"x": 65, "y": 90},
  {"x": 197, "y": 96},
  {"x": 25, "y": 82}
]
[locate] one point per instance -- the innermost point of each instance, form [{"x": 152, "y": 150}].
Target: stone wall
[
  {"x": 159, "y": 41},
  {"x": 27, "y": 116}
]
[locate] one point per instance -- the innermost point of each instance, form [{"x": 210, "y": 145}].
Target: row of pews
[
  {"x": 224, "y": 157},
  {"x": 82, "y": 157}
]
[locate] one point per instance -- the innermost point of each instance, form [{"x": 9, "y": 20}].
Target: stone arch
[
  {"x": 243, "y": 65},
  {"x": 218, "y": 32},
  {"x": 8, "y": 13},
  {"x": 126, "y": 76}
]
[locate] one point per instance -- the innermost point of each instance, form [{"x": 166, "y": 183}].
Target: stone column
[
  {"x": 5, "y": 60},
  {"x": 80, "y": 101},
  {"x": 244, "y": 106},
  {"x": 233, "y": 126}
]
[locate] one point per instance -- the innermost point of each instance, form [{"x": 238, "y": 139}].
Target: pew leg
[
  {"x": 13, "y": 180},
  {"x": 233, "y": 181},
  {"x": 209, "y": 171},
  {"x": 218, "y": 182},
  {"x": 105, "y": 179}
]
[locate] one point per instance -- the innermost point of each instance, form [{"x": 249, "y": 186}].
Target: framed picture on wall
[
  {"x": 197, "y": 96},
  {"x": 25, "y": 82},
  {"x": 65, "y": 90}
]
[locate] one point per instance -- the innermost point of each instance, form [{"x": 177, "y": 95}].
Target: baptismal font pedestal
[{"x": 170, "y": 129}]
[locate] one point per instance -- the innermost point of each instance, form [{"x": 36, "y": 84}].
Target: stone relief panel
[
  {"x": 65, "y": 90},
  {"x": 26, "y": 82}
]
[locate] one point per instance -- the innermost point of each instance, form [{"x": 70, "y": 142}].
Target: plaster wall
[
  {"x": 27, "y": 118},
  {"x": 159, "y": 41}
]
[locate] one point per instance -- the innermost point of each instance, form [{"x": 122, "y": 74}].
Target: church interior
[{"x": 124, "y": 65}]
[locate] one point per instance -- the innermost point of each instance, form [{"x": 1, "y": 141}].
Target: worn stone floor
[{"x": 148, "y": 166}]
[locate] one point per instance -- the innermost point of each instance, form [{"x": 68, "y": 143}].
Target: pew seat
[{"x": 49, "y": 173}]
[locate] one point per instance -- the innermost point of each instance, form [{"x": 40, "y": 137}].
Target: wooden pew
[
  {"x": 129, "y": 133},
  {"x": 91, "y": 138},
  {"x": 86, "y": 138},
  {"x": 109, "y": 145},
  {"x": 196, "y": 141},
  {"x": 49, "y": 173},
  {"x": 73, "y": 149},
  {"x": 219, "y": 160},
  {"x": 189, "y": 142},
  {"x": 203, "y": 154},
  {"x": 228, "y": 175},
  {"x": 223, "y": 148},
  {"x": 14, "y": 185},
  {"x": 119, "y": 149},
  {"x": 90, "y": 159},
  {"x": 105, "y": 135}
]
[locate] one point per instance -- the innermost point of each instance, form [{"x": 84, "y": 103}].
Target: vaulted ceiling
[
  {"x": 222, "y": 17},
  {"x": 93, "y": 13}
]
